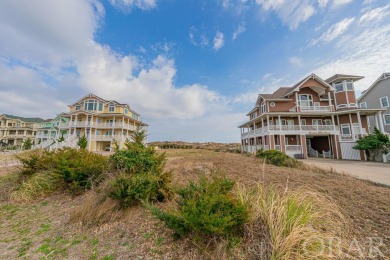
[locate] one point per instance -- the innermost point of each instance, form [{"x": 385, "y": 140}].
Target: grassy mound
[{"x": 278, "y": 158}]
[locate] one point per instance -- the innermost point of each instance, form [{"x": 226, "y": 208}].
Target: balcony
[
  {"x": 292, "y": 129},
  {"x": 315, "y": 108},
  {"x": 107, "y": 125}
]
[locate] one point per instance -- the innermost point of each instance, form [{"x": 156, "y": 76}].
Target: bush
[
  {"x": 78, "y": 169},
  {"x": 130, "y": 190},
  {"x": 278, "y": 158},
  {"x": 142, "y": 176},
  {"x": 207, "y": 208},
  {"x": 137, "y": 158}
]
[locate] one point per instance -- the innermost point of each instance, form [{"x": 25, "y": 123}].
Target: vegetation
[
  {"x": 374, "y": 144},
  {"x": 142, "y": 176},
  {"x": 297, "y": 225},
  {"x": 278, "y": 158},
  {"x": 139, "y": 135},
  {"x": 77, "y": 169},
  {"x": 82, "y": 142},
  {"x": 206, "y": 209},
  {"x": 27, "y": 144},
  {"x": 60, "y": 139}
]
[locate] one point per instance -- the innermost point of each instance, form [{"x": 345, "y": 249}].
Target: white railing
[
  {"x": 266, "y": 147},
  {"x": 107, "y": 137},
  {"x": 98, "y": 124},
  {"x": 277, "y": 147},
  {"x": 312, "y": 152},
  {"x": 326, "y": 154},
  {"x": 315, "y": 108},
  {"x": 292, "y": 149},
  {"x": 386, "y": 158}
]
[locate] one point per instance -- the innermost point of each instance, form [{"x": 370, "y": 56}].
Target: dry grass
[
  {"x": 96, "y": 209},
  {"x": 40, "y": 185},
  {"x": 291, "y": 225},
  {"x": 8, "y": 184}
]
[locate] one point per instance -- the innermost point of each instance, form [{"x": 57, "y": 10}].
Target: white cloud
[
  {"x": 322, "y": 3},
  {"x": 53, "y": 57},
  {"x": 366, "y": 54},
  {"x": 295, "y": 61},
  {"x": 338, "y": 3},
  {"x": 218, "y": 41},
  {"x": 375, "y": 15},
  {"x": 240, "y": 29},
  {"x": 334, "y": 31},
  {"x": 292, "y": 12},
  {"x": 127, "y": 5}
]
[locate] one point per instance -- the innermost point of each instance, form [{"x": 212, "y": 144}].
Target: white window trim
[
  {"x": 109, "y": 108},
  {"x": 343, "y": 126},
  {"x": 353, "y": 87},
  {"x": 317, "y": 120},
  {"x": 365, "y": 105},
  {"x": 384, "y": 119},
  {"x": 309, "y": 100},
  {"x": 337, "y": 91},
  {"x": 387, "y": 99},
  {"x": 303, "y": 120},
  {"x": 342, "y": 106}
]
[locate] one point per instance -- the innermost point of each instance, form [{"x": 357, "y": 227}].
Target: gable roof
[
  {"x": 284, "y": 92},
  {"x": 385, "y": 75},
  {"x": 25, "y": 119},
  {"x": 338, "y": 77}
]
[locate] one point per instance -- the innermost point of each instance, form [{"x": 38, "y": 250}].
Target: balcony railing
[
  {"x": 314, "y": 108},
  {"x": 98, "y": 124}
]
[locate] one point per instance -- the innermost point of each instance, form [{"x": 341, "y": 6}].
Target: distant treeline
[{"x": 174, "y": 146}]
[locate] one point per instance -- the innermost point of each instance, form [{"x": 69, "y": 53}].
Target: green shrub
[
  {"x": 278, "y": 158},
  {"x": 142, "y": 176},
  {"x": 137, "y": 158},
  {"x": 132, "y": 189},
  {"x": 207, "y": 208},
  {"x": 78, "y": 169}
]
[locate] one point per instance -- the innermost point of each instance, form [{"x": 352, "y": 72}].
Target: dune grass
[{"x": 292, "y": 225}]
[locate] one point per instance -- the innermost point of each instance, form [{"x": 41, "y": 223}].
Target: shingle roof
[
  {"x": 278, "y": 94},
  {"x": 26, "y": 119},
  {"x": 342, "y": 76}
]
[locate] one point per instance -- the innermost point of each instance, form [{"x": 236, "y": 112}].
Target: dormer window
[
  {"x": 349, "y": 85},
  {"x": 111, "y": 108},
  {"x": 339, "y": 86},
  {"x": 78, "y": 107},
  {"x": 126, "y": 110}
]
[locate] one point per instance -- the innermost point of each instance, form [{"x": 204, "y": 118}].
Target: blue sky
[{"x": 191, "y": 68}]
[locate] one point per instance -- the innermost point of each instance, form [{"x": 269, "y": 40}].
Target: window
[
  {"x": 349, "y": 85},
  {"x": 384, "y": 101},
  {"x": 78, "y": 107},
  {"x": 305, "y": 100},
  {"x": 386, "y": 119},
  {"x": 345, "y": 129},
  {"x": 303, "y": 121},
  {"x": 93, "y": 105},
  {"x": 272, "y": 104},
  {"x": 328, "y": 122},
  {"x": 111, "y": 108},
  {"x": 317, "y": 122},
  {"x": 339, "y": 86},
  {"x": 283, "y": 122},
  {"x": 263, "y": 107},
  {"x": 126, "y": 111},
  {"x": 100, "y": 106},
  {"x": 363, "y": 105}
]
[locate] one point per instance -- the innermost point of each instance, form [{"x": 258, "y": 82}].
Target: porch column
[
  {"x": 90, "y": 134},
  {"x": 303, "y": 146},
  {"x": 271, "y": 139},
  {"x": 299, "y": 123},
  {"x": 268, "y": 122},
  {"x": 376, "y": 120},
  {"x": 360, "y": 123},
  {"x": 282, "y": 143},
  {"x": 329, "y": 101},
  {"x": 352, "y": 130},
  {"x": 333, "y": 123},
  {"x": 280, "y": 123},
  {"x": 297, "y": 102},
  {"x": 381, "y": 128}
]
